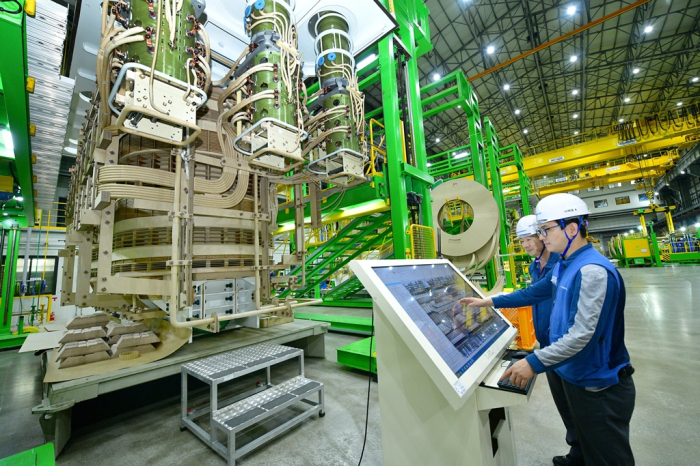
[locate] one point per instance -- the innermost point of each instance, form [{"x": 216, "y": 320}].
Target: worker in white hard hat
[
  {"x": 526, "y": 230},
  {"x": 587, "y": 352}
]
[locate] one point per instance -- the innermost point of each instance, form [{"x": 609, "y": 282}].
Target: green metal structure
[
  {"x": 14, "y": 117},
  {"x": 9, "y": 269},
  {"x": 42, "y": 455}
]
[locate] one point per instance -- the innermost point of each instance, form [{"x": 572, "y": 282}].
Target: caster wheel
[{"x": 321, "y": 414}]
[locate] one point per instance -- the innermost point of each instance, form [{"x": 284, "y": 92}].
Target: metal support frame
[
  {"x": 13, "y": 79},
  {"x": 7, "y": 339},
  {"x": 494, "y": 151}
]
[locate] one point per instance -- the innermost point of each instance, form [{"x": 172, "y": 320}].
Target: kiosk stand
[{"x": 438, "y": 363}]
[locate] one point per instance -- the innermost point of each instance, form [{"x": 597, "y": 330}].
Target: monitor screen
[{"x": 430, "y": 296}]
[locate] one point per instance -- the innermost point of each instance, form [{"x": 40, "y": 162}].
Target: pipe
[{"x": 560, "y": 38}]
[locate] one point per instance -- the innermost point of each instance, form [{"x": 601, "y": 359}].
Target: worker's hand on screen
[
  {"x": 476, "y": 302},
  {"x": 520, "y": 373}
]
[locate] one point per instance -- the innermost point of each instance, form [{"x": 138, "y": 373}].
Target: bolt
[
  {"x": 104, "y": 289},
  {"x": 84, "y": 296},
  {"x": 105, "y": 252},
  {"x": 85, "y": 271},
  {"x": 108, "y": 213},
  {"x": 104, "y": 279},
  {"x": 107, "y": 222}
]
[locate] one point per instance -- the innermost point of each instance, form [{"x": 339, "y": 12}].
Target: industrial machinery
[
  {"x": 632, "y": 250},
  {"x": 174, "y": 195},
  {"x": 681, "y": 247}
]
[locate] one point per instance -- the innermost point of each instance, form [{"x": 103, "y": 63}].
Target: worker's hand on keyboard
[
  {"x": 520, "y": 373},
  {"x": 476, "y": 302}
]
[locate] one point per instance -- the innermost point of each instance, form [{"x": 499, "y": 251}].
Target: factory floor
[{"x": 140, "y": 426}]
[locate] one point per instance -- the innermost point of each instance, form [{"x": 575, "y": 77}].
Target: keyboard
[{"x": 506, "y": 385}]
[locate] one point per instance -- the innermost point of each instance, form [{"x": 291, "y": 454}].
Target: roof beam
[{"x": 560, "y": 38}]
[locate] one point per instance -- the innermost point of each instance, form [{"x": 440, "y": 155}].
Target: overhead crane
[
  {"x": 618, "y": 142},
  {"x": 612, "y": 173}
]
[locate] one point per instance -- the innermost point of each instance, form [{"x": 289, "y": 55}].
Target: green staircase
[{"x": 358, "y": 236}]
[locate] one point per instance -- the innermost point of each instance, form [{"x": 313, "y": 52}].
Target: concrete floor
[{"x": 140, "y": 426}]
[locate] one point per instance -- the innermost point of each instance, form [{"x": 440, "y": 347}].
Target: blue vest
[
  {"x": 541, "y": 312},
  {"x": 599, "y": 367}
]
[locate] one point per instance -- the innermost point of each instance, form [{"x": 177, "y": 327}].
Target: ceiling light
[
  {"x": 574, "y": 92},
  {"x": 461, "y": 154},
  {"x": 679, "y": 104},
  {"x": 632, "y": 231},
  {"x": 682, "y": 172},
  {"x": 571, "y": 10},
  {"x": 525, "y": 131},
  {"x": 573, "y": 58},
  {"x": 635, "y": 70},
  {"x": 621, "y": 120},
  {"x": 695, "y": 79},
  {"x": 517, "y": 111},
  {"x": 5, "y": 214},
  {"x": 575, "y": 133},
  {"x": 453, "y": 153},
  {"x": 506, "y": 87},
  {"x": 459, "y": 106},
  {"x": 429, "y": 164},
  {"x": 436, "y": 76},
  {"x": 656, "y": 193},
  {"x": 437, "y": 139},
  {"x": 682, "y": 228},
  {"x": 648, "y": 29},
  {"x": 490, "y": 49},
  {"x": 575, "y": 115},
  {"x": 627, "y": 99},
  {"x": 697, "y": 225},
  {"x": 545, "y": 176},
  {"x": 639, "y": 228},
  {"x": 366, "y": 61},
  {"x": 7, "y": 138}
]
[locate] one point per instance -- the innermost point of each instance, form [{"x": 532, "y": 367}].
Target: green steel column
[
  {"x": 394, "y": 147},
  {"x": 476, "y": 135},
  {"x": 13, "y": 81},
  {"x": 493, "y": 151},
  {"x": 656, "y": 255},
  {"x": 7, "y": 340},
  {"x": 523, "y": 179},
  {"x": 418, "y": 130}
]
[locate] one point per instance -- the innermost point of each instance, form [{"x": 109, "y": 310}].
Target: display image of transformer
[{"x": 430, "y": 296}]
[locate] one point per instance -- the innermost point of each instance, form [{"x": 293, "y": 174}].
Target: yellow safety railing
[
  {"x": 378, "y": 252},
  {"x": 375, "y": 149},
  {"x": 422, "y": 242}
]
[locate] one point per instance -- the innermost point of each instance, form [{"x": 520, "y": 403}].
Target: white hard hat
[
  {"x": 527, "y": 226},
  {"x": 560, "y": 206}
]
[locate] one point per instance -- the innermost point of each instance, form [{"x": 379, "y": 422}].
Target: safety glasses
[{"x": 543, "y": 231}]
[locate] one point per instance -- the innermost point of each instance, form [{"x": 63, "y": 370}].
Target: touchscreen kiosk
[{"x": 432, "y": 355}]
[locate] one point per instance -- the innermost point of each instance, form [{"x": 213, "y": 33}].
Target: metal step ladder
[
  {"x": 251, "y": 407},
  {"x": 358, "y": 236}
]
